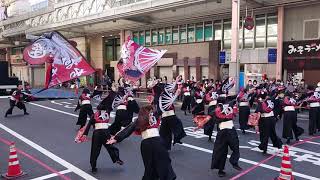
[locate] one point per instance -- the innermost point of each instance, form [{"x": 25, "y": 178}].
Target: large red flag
[
  {"x": 137, "y": 60},
  {"x": 65, "y": 61}
]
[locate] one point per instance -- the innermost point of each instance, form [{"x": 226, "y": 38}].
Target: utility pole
[{"x": 234, "y": 66}]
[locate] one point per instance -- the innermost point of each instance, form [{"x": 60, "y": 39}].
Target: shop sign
[
  {"x": 302, "y": 48},
  {"x": 249, "y": 23},
  {"x": 222, "y": 57},
  {"x": 301, "y": 54},
  {"x": 272, "y": 56}
]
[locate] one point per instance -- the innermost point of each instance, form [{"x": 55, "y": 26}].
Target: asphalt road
[{"x": 47, "y": 135}]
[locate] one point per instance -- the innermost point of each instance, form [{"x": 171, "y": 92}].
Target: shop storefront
[{"x": 301, "y": 59}]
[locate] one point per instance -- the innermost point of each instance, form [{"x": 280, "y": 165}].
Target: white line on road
[
  {"x": 49, "y": 154},
  {"x": 51, "y": 175},
  {"x": 206, "y": 150},
  {"x": 4, "y": 97},
  {"x": 250, "y": 162}
]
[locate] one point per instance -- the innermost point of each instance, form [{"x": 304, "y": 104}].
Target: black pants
[
  {"x": 171, "y": 125},
  {"x": 186, "y": 104},
  {"x": 100, "y": 138},
  {"x": 244, "y": 112},
  {"x": 156, "y": 160},
  {"x": 209, "y": 126},
  {"x": 225, "y": 138},
  {"x": 122, "y": 119},
  {"x": 267, "y": 128},
  {"x": 19, "y": 105},
  {"x": 314, "y": 120},
  {"x": 85, "y": 111},
  {"x": 290, "y": 125}
]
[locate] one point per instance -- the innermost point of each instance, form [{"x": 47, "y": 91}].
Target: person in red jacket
[
  {"x": 100, "y": 122},
  {"x": 290, "y": 118},
  {"x": 156, "y": 159},
  {"x": 84, "y": 104},
  {"x": 16, "y": 99},
  {"x": 227, "y": 137}
]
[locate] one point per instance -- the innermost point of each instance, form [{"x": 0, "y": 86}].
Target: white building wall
[{"x": 294, "y": 21}]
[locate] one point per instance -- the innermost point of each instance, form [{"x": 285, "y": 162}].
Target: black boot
[
  {"x": 288, "y": 141},
  {"x": 210, "y": 140},
  {"x": 94, "y": 170},
  {"x": 243, "y": 131},
  {"x": 185, "y": 112},
  {"x": 25, "y": 113},
  {"x": 237, "y": 167},
  {"x": 221, "y": 173}
]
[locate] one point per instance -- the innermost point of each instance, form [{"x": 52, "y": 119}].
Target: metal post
[{"x": 237, "y": 53}]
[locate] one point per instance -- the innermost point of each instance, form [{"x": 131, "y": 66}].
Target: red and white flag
[
  {"x": 65, "y": 62},
  {"x": 137, "y": 60}
]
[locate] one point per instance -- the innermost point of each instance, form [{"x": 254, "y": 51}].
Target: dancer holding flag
[
  {"x": 16, "y": 99},
  {"x": 84, "y": 104}
]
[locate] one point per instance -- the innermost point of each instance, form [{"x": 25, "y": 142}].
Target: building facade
[{"x": 196, "y": 33}]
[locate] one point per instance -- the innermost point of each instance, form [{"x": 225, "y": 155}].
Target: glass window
[
  {"x": 168, "y": 36},
  {"x": 227, "y": 35},
  {"x": 109, "y": 49},
  {"x": 190, "y": 32},
  {"x": 136, "y": 37},
  {"x": 161, "y": 36},
  {"x": 208, "y": 36},
  {"x": 272, "y": 41},
  {"x": 183, "y": 34},
  {"x": 272, "y": 30},
  {"x": 154, "y": 37},
  {"x": 260, "y": 31},
  {"x": 199, "y": 32},
  {"x": 241, "y": 36},
  {"x": 217, "y": 30},
  {"x": 118, "y": 50},
  {"x": 272, "y": 25},
  {"x": 141, "y": 38},
  {"x": 175, "y": 35},
  {"x": 148, "y": 38}
]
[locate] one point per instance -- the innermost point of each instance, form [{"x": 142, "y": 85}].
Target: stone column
[
  {"x": 198, "y": 69},
  {"x": 186, "y": 68},
  {"x": 233, "y": 69},
  {"x": 280, "y": 42}
]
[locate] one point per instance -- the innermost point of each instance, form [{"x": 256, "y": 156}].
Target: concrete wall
[{"x": 294, "y": 20}]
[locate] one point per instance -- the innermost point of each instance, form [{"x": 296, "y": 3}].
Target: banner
[
  {"x": 137, "y": 60},
  {"x": 65, "y": 62}
]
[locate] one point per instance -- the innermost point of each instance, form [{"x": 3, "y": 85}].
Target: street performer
[
  {"x": 101, "y": 134},
  {"x": 290, "y": 118},
  {"x": 170, "y": 123},
  {"x": 227, "y": 137},
  {"x": 156, "y": 159},
  {"x": 16, "y": 99},
  {"x": 211, "y": 98},
  {"x": 267, "y": 123},
  {"x": 84, "y": 104},
  {"x": 314, "y": 112},
  {"x": 243, "y": 99},
  {"x": 186, "y": 104},
  {"x": 126, "y": 105}
]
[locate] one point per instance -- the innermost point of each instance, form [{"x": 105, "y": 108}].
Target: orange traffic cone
[
  {"x": 286, "y": 168},
  {"x": 14, "y": 169}
]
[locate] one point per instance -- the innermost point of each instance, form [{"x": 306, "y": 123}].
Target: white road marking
[
  {"x": 54, "y": 102},
  {"x": 251, "y": 162},
  {"x": 208, "y": 151},
  {"x": 49, "y": 154},
  {"x": 4, "y": 97},
  {"x": 51, "y": 175}
]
